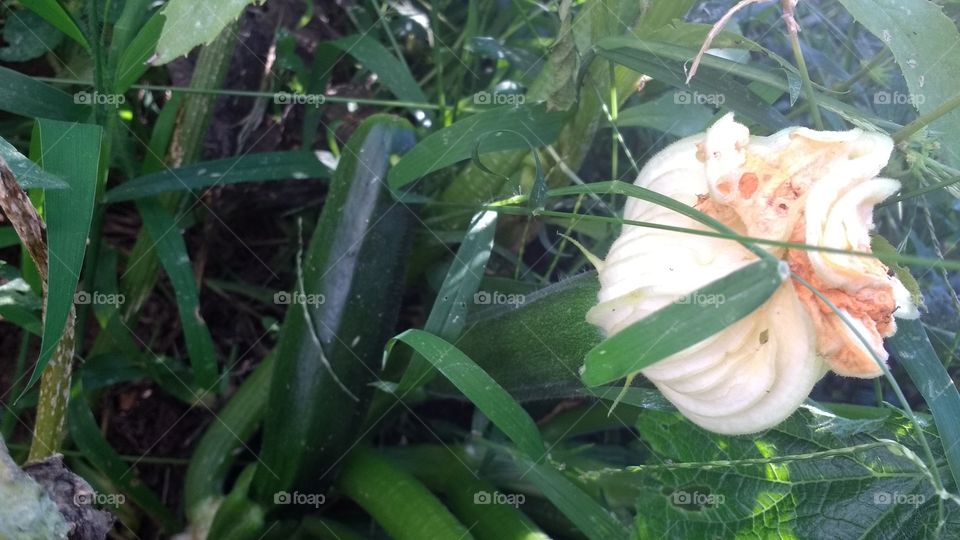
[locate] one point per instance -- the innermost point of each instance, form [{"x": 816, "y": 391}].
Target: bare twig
[{"x": 55, "y": 384}]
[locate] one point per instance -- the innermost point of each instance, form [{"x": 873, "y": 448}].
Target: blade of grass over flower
[
  {"x": 678, "y": 326},
  {"x": 73, "y": 152},
  {"x": 920, "y": 361},
  {"x": 60, "y": 18},
  {"x": 86, "y": 435},
  {"x": 293, "y": 165},
  {"x": 623, "y": 188},
  {"x": 457, "y": 142},
  {"x": 515, "y": 423},
  {"x": 172, "y": 251},
  {"x": 22, "y": 95}
]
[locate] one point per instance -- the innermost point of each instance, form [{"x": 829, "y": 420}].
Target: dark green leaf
[
  {"x": 292, "y": 165},
  {"x": 678, "y": 326},
  {"x": 459, "y": 141}
]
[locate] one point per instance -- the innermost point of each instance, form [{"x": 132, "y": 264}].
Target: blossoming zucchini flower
[{"x": 797, "y": 185}]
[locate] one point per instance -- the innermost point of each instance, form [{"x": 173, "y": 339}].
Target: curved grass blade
[
  {"x": 592, "y": 519},
  {"x": 920, "y": 361},
  {"x": 168, "y": 243},
  {"x": 293, "y": 165},
  {"x": 449, "y": 314},
  {"x": 509, "y": 128},
  {"x": 390, "y": 71},
  {"x": 55, "y": 14},
  {"x": 73, "y": 152},
  {"x": 678, "y": 326},
  {"x": 133, "y": 61}
]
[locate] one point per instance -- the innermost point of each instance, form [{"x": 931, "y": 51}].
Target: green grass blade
[
  {"x": 29, "y": 174},
  {"x": 678, "y": 326},
  {"x": 234, "y": 425},
  {"x": 459, "y": 141},
  {"x": 73, "y": 152},
  {"x": 920, "y": 361},
  {"x": 20, "y": 94},
  {"x": 133, "y": 61},
  {"x": 172, "y": 251},
  {"x": 390, "y": 71},
  {"x": 449, "y": 314},
  {"x": 512, "y": 420},
  {"x": 55, "y": 14},
  {"x": 292, "y": 165}
]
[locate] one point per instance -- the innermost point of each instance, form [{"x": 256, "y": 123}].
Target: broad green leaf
[
  {"x": 27, "y": 36},
  {"x": 916, "y": 355},
  {"x": 29, "y": 175},
  {"x": 19, "y": 304},
  {"x": 678, "y": 326},
  {"x": 86, "y": 435},
  {"x": 490, "y": 129},
  {"x": 291, "y": 165},
  {"x": 20, "y": 94},
  {"x": 449, "y": 314},
  {"x": 497, "y": 405},
  {"x": 165, "y": 233},
  {"x": 390, "y": 71},
  {"x": 73, "y": 152},
  {"x": 55, "y": 14},
  {"x": 924, "y": 42},
  {"x": 816, "y": 476},
  {"x": 190, "y": 24},
  {"x": 133, "y": 61}
]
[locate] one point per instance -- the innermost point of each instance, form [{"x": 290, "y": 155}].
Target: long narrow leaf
[
  {"x": 172, "y": 251},
  {"x": 293, "y": 165},
  {"x": 920, "y": 361},
  {"x": 509, "y": 417},
  {"x": 678, "y": 326},
  {"x": 73, "y": 152},
  {"x": 449, "y": 314},
  {"x": 20, "y": 94},
  {"x": 501, "y": 128}
]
